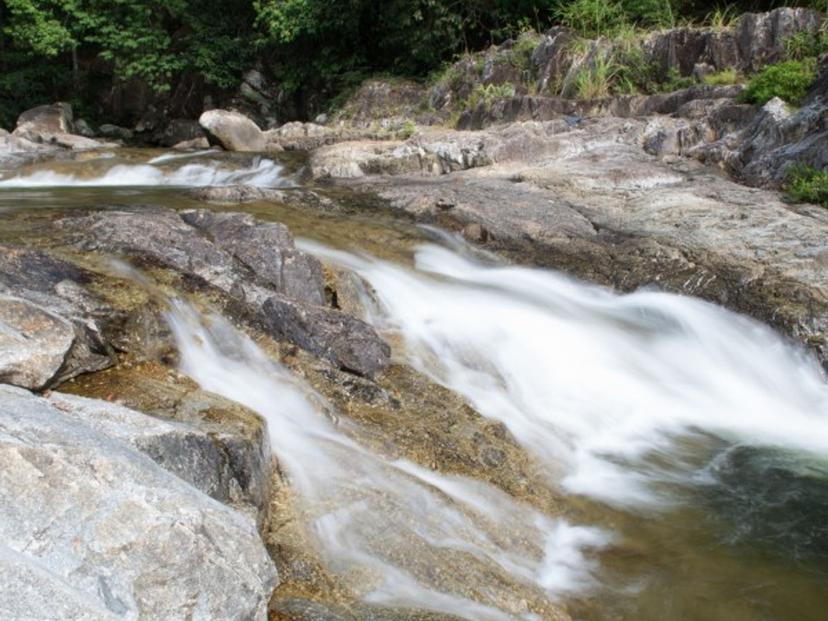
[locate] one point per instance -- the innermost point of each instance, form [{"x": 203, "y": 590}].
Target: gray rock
[
  {"x": 267, "y": 250},
  {"x": 347, "y": 342},
  {"x": 252, "y": 263},
  {"x": 114, "y": 131},
  {"x": 34, "y": 343},
  {"x": 232, "y": 131},
  {"x": 37, "y": 327},
  {"x": 82, "y": 128},
  {"x": 44, "y": 121},
  {"x": 181, "y": 130},
  {"x": 90, "y": 520}
]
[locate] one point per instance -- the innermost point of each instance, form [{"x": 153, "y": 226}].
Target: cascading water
[
  {"x": 172, "y": 170},
  {"x": 599, "y": 385},
  {"x": 427, "y": 540}
]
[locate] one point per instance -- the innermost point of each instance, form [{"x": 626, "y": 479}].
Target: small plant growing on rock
[
  {"x": 593, "y": 18},
  {"x": 806, "y": 184},
  {"x": 675, "y": 81},
  {"x": 488, "y": 93},
  {"x": 788, "y": 80},
  {"x": 407, "y": 130},
  {"x": 724, "y": 77},
  {"x": 722, "y": 17},
  {"x": 806, "y": 44},
  {"x": 595, "y": 80}
]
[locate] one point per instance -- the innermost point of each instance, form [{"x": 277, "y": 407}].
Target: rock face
[
  {"x": 51, "y": 329},
  {"x": 93, "y": 528},
  {"x": 630, "y": 217},
  {"x": 254, "y": 264},
  {"x": 232, "y": 131}
]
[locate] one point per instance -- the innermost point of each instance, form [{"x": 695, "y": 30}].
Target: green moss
[
  {"x": 788, "y": 80},
  {"x": 806, "y": 184}
]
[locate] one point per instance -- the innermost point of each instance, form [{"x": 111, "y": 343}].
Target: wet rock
[
  {"x": 347, "y": 342},
  {"x": 232, "y": 439},
  {"x": 266, "y": 249},
  {"x": 299, "y": 136},
  {"x": 263, "y": 277},
  {"x": 56, "y": 331},
  {"x": 232, "y": 131},
  {"x": 296, "y": 609},
  {"x": 628, "y": 218},
  {"x": 82, "y": 128},
  {"x": 192, "y": 145},
  {"x": 86, "y": 514}
]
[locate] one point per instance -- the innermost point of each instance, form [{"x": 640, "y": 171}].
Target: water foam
[
  {"x": 601, "y": 386},
  {"x": 261, "y": 172}
]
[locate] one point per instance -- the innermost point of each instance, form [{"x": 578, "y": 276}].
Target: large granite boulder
[
  {"x": 94, "y": 528},
  {"x": 232, "y": 131}
]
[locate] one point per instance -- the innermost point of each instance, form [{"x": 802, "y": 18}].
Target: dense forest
[{"x": 70, "y": 49}]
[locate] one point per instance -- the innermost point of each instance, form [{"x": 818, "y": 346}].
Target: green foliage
[
  {"x": 593, "y": 18},
  {"x": 596, "y": 78},
  {"x": 486, "y": 94},
  {"x": 788, "y": 80},
  {"x": 675, "y": 81},
  {"x": 408, "y": 129},
  {"x": 724, "y": 77},
  {"x": 806, "y": 184},
  {"x": 722, "y": 17},
  {"x": 807, "y": 44}
]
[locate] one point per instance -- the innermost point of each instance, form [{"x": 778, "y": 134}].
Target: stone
[
  {"x": 267, "y": 250},
  {"x": 45, "y": 120},
  {"x": 34, "y": 343},
  {"x": 181, "y": 130},
  {"x": 82, "y": 128},
  {"x": 108, "y": 130},
  {"x": 347, "y": 342},
  {"x": 232, "y": 131},
  {"x": 53, "y": 328},
  {"x": 192, "y": 145},
  {"x": 91, "y": 521}
]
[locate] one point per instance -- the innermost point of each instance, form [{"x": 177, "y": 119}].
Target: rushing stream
[{"x": 691, "y": 443}]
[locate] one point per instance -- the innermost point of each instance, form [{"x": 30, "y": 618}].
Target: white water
[
  {"x": 600, "y": 386},
  {"x": 410, "y": 536},
  {"x": 261, "y": 172}
]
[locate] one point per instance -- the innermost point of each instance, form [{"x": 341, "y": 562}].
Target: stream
[{"x": 689, "y": 444}]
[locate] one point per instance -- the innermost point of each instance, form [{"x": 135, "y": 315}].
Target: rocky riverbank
[{"x": 130, "y": 492}]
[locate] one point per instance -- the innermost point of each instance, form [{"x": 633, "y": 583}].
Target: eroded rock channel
[{"x": 347, "y": 386}]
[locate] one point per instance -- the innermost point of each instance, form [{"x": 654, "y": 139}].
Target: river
[{"x": 690, "y": 444}]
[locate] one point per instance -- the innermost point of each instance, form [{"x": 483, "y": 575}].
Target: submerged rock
[
  {"x": 99, "y": 530},
  {"x": 232, "y": 131}
]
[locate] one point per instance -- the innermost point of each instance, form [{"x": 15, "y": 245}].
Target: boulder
[
  {"x": 263, "y": 277},
  {"x": 266, "y": 249},
  {"x": 94, "y": 528},
  {"x": 761, "y": 36},
  {"x": 347, "y": 342},
  {"x": 82, "y": 128},
  {"x": 45, "y": 120},
  {"x": 52, "y": 328},
  {"x": 107, "y": 130},
  {"x": 34, "y": 343},
  {"x": 232, "y": 131}
]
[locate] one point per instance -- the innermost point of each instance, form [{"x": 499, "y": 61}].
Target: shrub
[
  {"x": 593, "y": 18},
  {"x": 807, "y": 44},
  {"x": 722, "y": 17},
  {"x": 487, "y": 93},
  {"x": 788, "y": 80},
  {"x": 723, "y": 78},
  {"x": 408, "y": 129},
  {"x": 675, "y": 81},
  {"x": 595, "y": 80},
  {"x": 806, "y": 184}
]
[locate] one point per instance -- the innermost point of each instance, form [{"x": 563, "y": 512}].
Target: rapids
[{"x": 691, "y": 443}]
